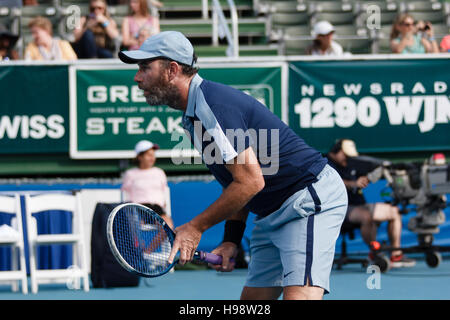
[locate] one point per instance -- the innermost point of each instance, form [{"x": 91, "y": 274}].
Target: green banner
[
  {"x": 34, "y": 109},
  {"x": 383, "y": 105},
  {"x": 109, "y": 114}
]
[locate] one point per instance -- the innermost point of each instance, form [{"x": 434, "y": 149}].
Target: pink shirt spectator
[
  {"x": 145, "y": 186},
  {"x": 445, "y": 44}
]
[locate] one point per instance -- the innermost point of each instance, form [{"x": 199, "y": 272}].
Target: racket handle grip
[{"x": 211, "y": 258}]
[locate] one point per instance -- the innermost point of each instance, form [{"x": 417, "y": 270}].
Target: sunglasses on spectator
[
  {"x": 99, "y": 8},
  {"x": 408, "y": 24}
]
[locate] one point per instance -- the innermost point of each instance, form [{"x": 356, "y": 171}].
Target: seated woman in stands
[
  {"x": 138, "y": 19},
  {"x": 7, "y": 42},
  {"x": 406, "y": 37},
  {"x": 96, "y": 35},
  {"x": 44, "y": 46}
]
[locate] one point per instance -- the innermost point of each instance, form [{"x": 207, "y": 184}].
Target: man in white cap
[
  {"x": 367, "y": 215},
  {"x": 300, "y": 205},
  {"x": 323, "y": 44}
]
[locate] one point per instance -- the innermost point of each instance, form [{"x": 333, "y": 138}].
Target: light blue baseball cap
[{"x": 167, "y": 44}]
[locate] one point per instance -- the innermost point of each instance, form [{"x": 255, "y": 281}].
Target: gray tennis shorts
[{"x": 296, "y": 243}]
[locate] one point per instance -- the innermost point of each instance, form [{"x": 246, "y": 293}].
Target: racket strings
[{"x": 142, "y": 240}]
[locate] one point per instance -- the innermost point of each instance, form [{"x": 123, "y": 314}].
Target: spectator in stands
[
  {"x": 7, "y": 43},
  {"x": 367, "y": 215},
  {"x": 406, "y": 37},
  {"x": 139, "y": 18},
  {"x": 97, "y": 33},
  {"x": 44, "y": 46},
  {"x": 147, "y": 184},
  {"x": 324, "y": 44},
  {"x": 445, "y": 44}
]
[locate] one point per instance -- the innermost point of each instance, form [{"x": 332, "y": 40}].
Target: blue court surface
[{"x": 351, "y": 283}]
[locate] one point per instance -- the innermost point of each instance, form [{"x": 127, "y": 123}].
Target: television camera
[{"x": 421, "y": 187}]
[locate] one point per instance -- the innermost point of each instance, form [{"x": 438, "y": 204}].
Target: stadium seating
[
  {"x": 9, "y": 17},
  {"x": 266, "y": 27},
  {"x": 5, "y": 17},
  {"x": 422, "y": 6},
  {"x": 193, "y": 8},
  {"x": 295, "y": 46},
  {"x": 119, "y": 12}
]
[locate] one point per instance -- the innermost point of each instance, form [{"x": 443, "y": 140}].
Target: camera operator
[{"x": 367, "y": 215}]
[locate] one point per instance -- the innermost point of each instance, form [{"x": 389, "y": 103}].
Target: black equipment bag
[{"x": 106, "y": 272}]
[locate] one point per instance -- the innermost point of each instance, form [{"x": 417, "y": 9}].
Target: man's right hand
[{"x": 362, "y": 182}]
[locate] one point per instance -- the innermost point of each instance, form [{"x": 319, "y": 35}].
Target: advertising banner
[
  {"x": 383, "y": 105},
  {"x": 109, "y": 114},
  {"x": 96, "y": 111},
  {"x": 34, "y": 109}
]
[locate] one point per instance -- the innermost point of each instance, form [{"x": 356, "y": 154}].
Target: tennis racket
[{"x": 141, "y": 241}]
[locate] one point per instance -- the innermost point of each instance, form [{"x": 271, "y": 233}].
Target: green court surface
[{"x": 351, "y": 283}]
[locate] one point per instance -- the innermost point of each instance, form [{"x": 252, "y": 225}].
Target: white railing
[
  {"x": 205, "y": 9},
  {"x": 220, "y": 28}
]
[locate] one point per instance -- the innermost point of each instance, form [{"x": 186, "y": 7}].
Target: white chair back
[
  {"x": 13, "y": 237},
  {"x": 79, "y": 269}
]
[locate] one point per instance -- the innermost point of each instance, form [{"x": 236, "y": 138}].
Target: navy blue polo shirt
[
  {"x": 355, "y": 195},
  {"x": 222, "y": 122}
]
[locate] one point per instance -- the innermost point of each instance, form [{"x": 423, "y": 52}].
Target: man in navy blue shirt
[{"x": 263, "y": 167}]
